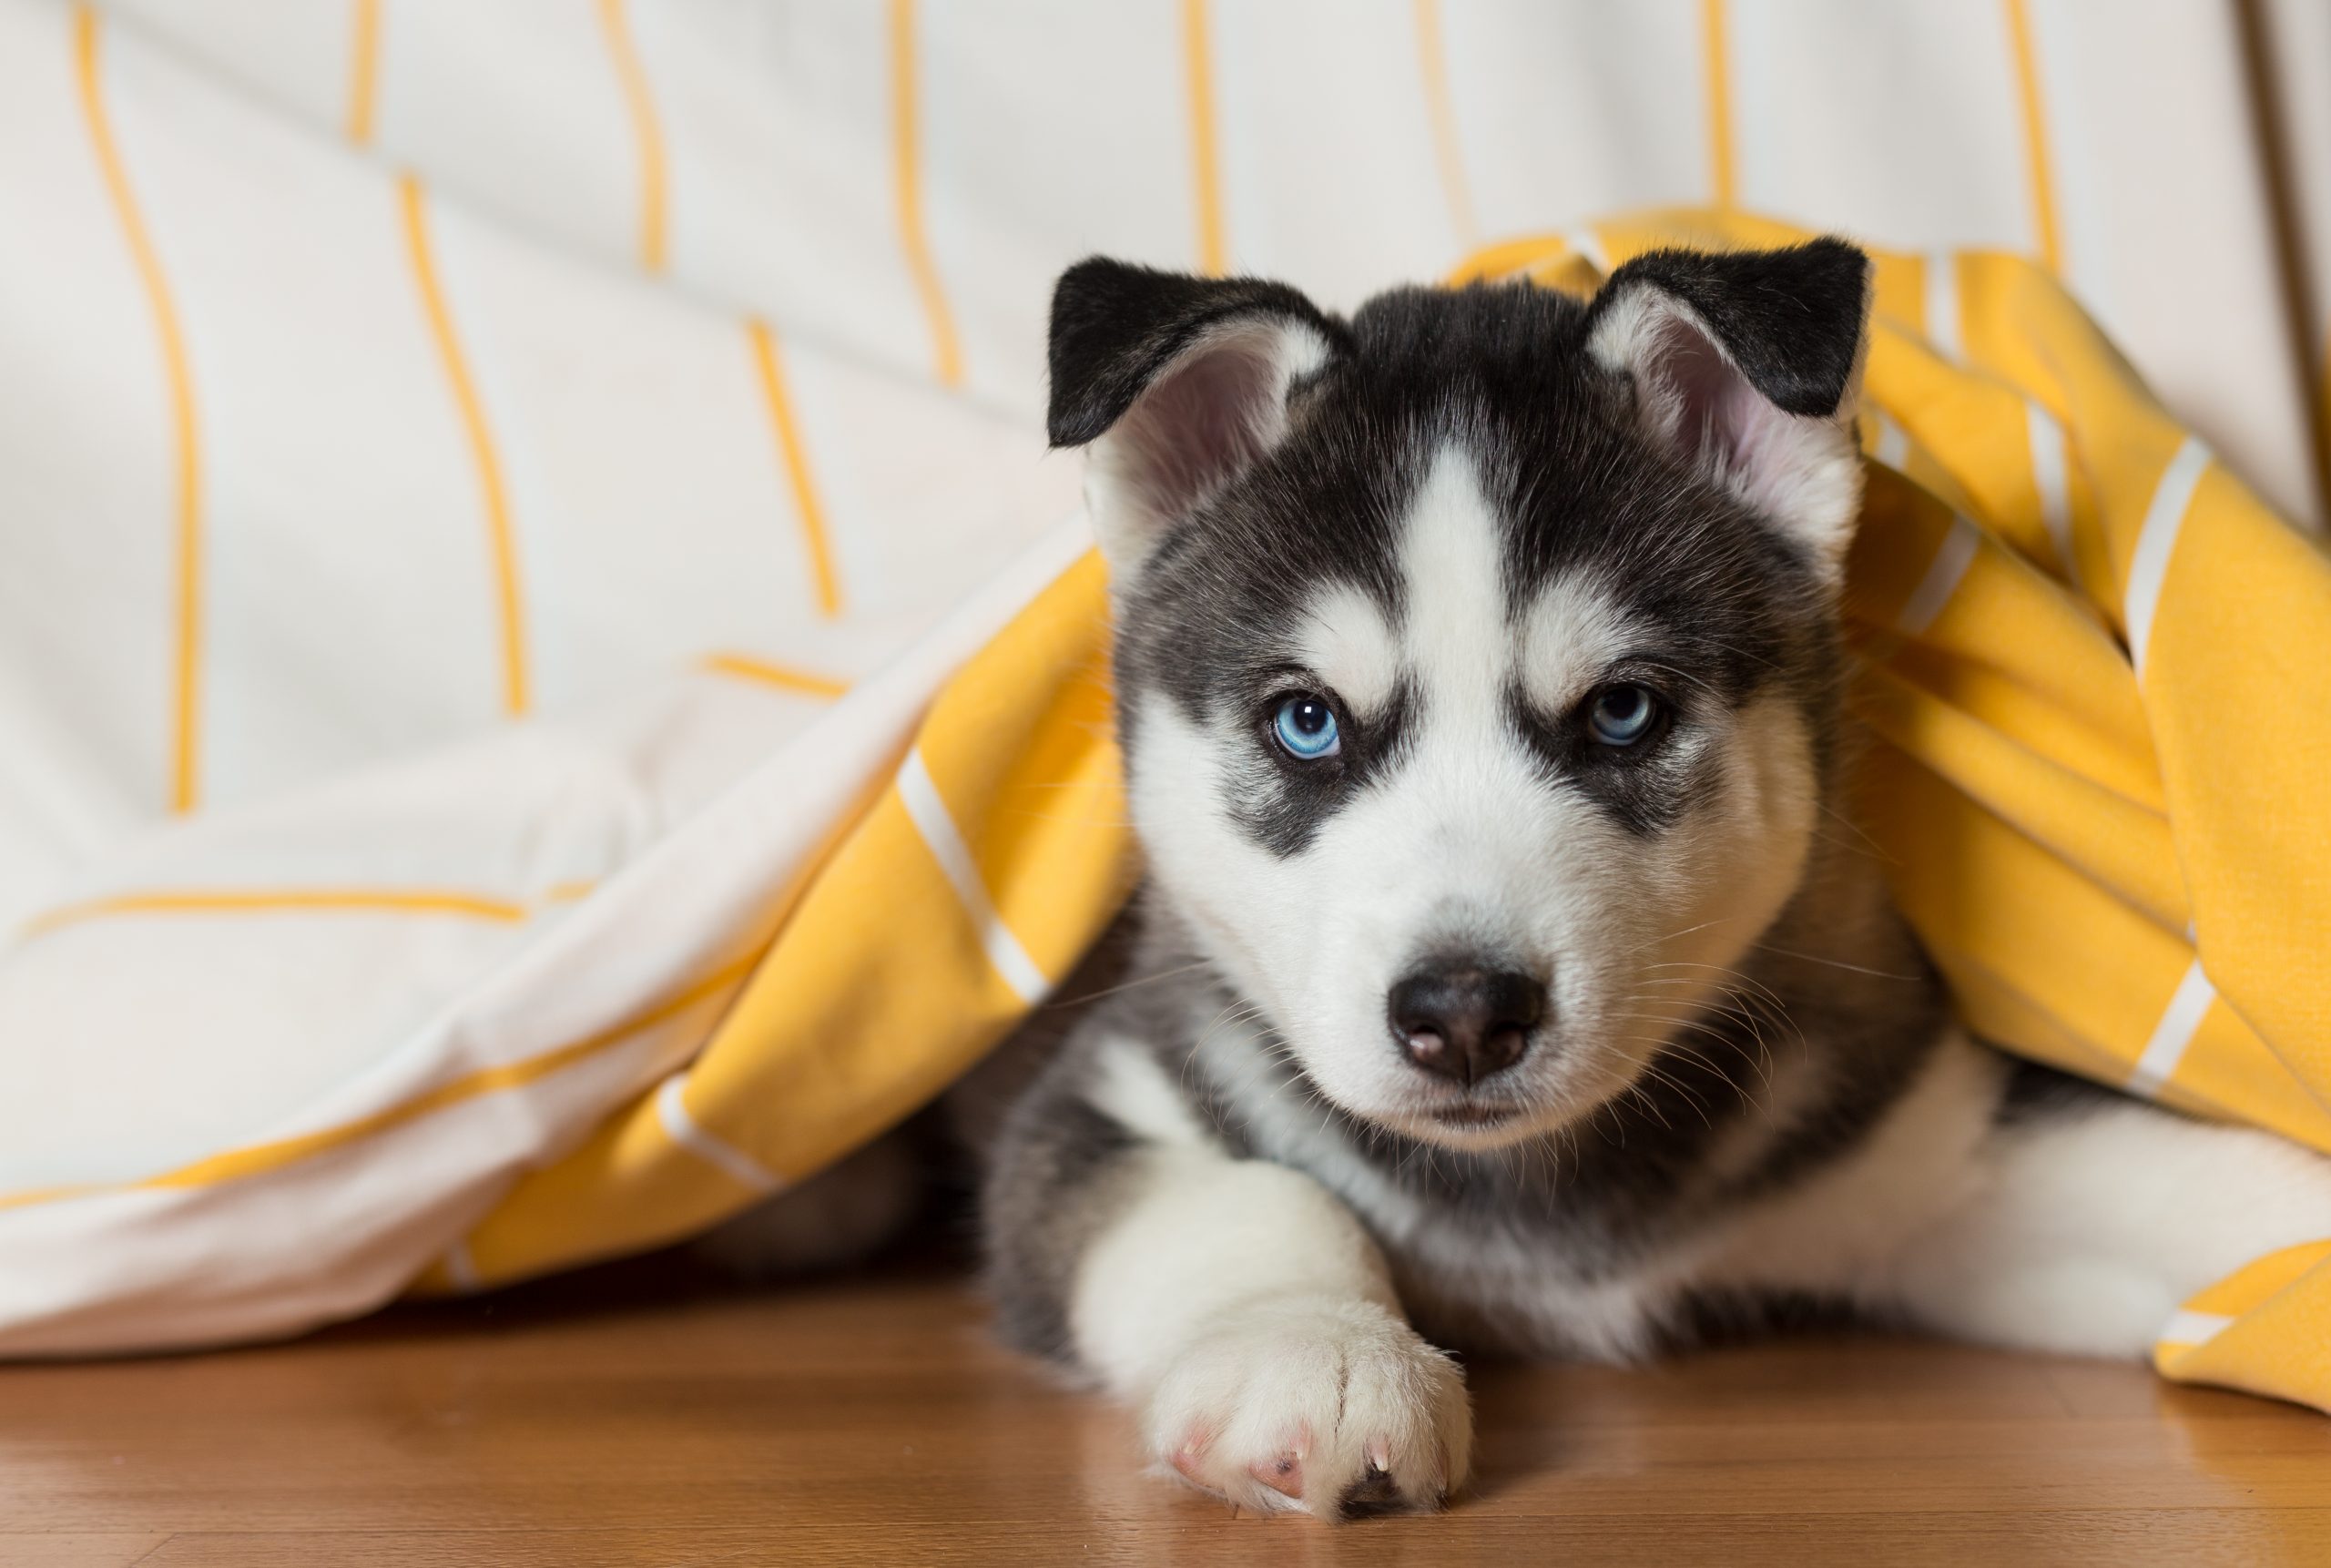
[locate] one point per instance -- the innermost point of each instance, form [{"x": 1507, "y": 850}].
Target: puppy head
[{"x": 1477, "y": 655}]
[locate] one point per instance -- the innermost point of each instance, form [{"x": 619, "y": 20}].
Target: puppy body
[{"x": 1506, "y": 976}]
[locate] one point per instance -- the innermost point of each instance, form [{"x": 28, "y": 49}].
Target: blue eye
[
  {"x": 1306, "y": 727},
  {"x": 1622, "y": 715}
]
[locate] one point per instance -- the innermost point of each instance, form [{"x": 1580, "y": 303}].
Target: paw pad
[{"x": 1283, "y": 1475}]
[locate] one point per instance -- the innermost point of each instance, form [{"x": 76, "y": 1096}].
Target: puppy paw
[{"x": 1336, "y": 1408}]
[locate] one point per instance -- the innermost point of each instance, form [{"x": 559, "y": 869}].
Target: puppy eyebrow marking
[
  {"x": 1571, "y": 634},
  {"x": 1345, "y": 639}
]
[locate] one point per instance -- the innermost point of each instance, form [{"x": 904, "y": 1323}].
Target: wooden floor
[{"x": 871, "y": 1421}]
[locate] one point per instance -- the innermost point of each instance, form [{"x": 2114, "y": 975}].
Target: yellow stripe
[
  {"x": 746, "y": 667},
  {"x": 2035, "y": 133},
  {"x": 275, "y": 900},
  {"x": 259, "y": 1160},
  {"x": 645, "y": 125},
  {"x": 905, "y": 136},
  {"x": 797, "y": 469},
  {"x": 1432, "y": 59},
  {"x": 187, "y": 689},
  {"x": 489, "y": 468},
  {"x": 1205, "y": 168},
  {"x": 364, "y": 70},
  {"x": 1719, "y": 85}
]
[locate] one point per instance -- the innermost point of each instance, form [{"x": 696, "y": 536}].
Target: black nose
[{"x": 1463, "y": 1022}]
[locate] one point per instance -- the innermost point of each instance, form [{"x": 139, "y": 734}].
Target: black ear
[
  {"x": 1178, "y": 384},
  {"x": 1746, "y": 364}
]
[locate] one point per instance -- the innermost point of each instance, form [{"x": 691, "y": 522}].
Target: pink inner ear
[
  {"x": 1711, "y": 405},
  {"x": 1210, "y": 416},
  {"x": 1717, "y": 419}
]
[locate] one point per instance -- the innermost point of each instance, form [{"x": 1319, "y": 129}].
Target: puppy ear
[
  {"x": 1747, "y": 364},
  {"x": 1177, "y": 384}
]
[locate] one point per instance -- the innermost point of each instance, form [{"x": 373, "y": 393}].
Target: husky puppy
[{"x": 1506, "y": 978}]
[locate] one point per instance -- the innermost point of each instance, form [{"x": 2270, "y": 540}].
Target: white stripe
[
  {"x": 2048, "y": 478},
  {"x": 1893, "y": 444},
  {"x": 1942, "y": 304},
  {"x": 954, "y": 857},
  {"x": 2185, "y": 1327},
  {"x": 685, "y": 1130},
  {"x": 460, "y": 1270},
  {"x": 2156, "y": 540},
  {"x": 1950, "y": 561},
  {"x": 2175, "y": 1031},
  {"x": 1584, "y": 242}
]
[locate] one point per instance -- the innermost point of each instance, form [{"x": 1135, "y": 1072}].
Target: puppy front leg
[
  {"x": 1237, "y": 1304},
  {"x": 1254, "y": 1321}
]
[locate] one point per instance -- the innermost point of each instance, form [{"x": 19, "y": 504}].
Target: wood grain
[{"x": 870, "y": 1420}]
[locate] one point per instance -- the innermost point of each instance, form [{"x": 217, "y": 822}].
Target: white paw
[{"x": 1334, "y": 1407}]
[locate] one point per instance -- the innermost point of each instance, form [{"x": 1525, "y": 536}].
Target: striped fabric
[{"x": 546, "y": 690}]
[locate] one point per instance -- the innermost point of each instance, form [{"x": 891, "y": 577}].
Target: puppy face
[{"x": 1476, "y": 664}]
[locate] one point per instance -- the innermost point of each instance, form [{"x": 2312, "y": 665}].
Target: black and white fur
[{"x": 1237, "y": 1197}]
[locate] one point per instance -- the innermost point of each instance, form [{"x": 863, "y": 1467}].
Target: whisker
[
  {"x": 1128, "y": 985},
  {"x": 1748, "y": 981},
  {"x": 1875, "y": 848},
  {"x": 1673, "y": 935},
  {"x": 1834, "y": 962},
  {"x": 1698, "y": 1104}
]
